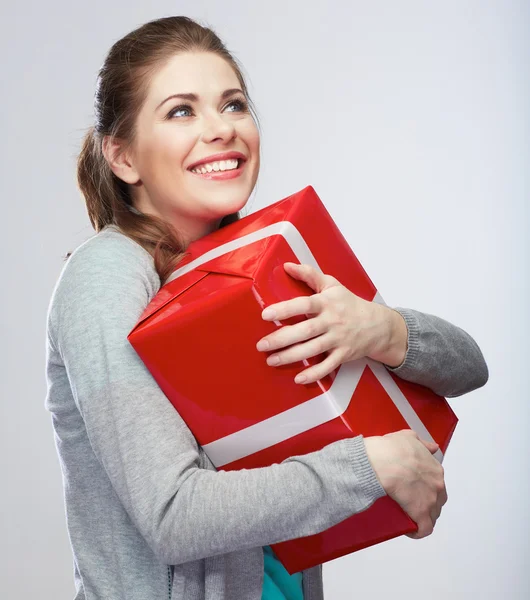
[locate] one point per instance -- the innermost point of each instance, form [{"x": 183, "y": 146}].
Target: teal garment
[{"x": 277, "y": 583}]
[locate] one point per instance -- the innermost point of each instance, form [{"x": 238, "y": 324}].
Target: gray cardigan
[{"x": 148, "y": 515}]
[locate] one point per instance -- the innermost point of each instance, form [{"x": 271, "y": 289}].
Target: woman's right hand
[{"x": 410, "y": 475}]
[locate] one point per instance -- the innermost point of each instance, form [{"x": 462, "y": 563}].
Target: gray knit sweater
[{"x": 148, "y": 515}]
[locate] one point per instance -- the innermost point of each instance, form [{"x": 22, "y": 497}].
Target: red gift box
[{"x": 198, "y": 339}]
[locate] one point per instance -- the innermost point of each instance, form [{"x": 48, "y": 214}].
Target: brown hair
[{"x": 121, "y": 90}]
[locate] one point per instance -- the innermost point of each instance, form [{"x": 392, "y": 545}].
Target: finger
[
  {"x": 441, "y": 499},
  {"x": 410, "y": 432},
  {"x": 443, "y": 496},
  {"x": 308, "y": 274},
  {"x": 431, "y": 446},
  {"x": 428, "y": 442},
  {"x": 301, "y": 305},
  {"x": 413, "y": 534},
  {"x": 425, "y": 528},
  {"x": 302, "y": 351},
  {"x": 319, "y": 371},
  {"x": 293, "y": 334},
  {"x": 435, "y": 513}
]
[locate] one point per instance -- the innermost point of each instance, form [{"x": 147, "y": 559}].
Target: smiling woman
[
  {"x": 174, "y": 155},
  {"x": 170, "y": 138}
]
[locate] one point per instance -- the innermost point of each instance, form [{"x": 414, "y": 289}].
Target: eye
[
  {"x": 177, "y": 109},
  {"x": 240, "y": 105}
]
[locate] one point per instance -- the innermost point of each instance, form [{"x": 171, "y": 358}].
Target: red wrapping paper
[{"x": 198, "y": 339}]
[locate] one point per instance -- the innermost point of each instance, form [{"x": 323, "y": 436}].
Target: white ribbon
[{"x": 327, "y": 406}]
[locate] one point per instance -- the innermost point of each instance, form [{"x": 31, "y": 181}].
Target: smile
[
  {"x": 220, "y": 170},
  {"x": 221, "y": 165}
]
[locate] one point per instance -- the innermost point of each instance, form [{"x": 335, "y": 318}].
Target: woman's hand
[
  {"x": 339, "y": 323},
  {"x": 410, "y": 475}
]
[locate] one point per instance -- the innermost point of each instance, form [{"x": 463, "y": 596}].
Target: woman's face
[{"x": 175, "y": 169}]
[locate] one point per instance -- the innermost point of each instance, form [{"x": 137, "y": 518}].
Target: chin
[{"x": 234, "y": 202}]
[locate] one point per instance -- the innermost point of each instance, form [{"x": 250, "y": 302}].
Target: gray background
[{"x": 411, "y": 121}]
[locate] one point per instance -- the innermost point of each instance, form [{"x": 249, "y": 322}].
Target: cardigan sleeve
[{"x": 440, "y": 356}]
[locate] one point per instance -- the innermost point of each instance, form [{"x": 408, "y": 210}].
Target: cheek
[
  {"x": 249, "y": 133},
  {"x": 255, "y": 141},
  {"x": 167, "y": 150}
]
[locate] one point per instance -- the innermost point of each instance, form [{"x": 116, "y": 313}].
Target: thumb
[
  {"x": 315, "y": 279},
  {"x": 432, "y": 447}
]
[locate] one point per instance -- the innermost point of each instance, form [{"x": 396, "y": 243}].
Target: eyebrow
[{"x": 195, "y": 97}]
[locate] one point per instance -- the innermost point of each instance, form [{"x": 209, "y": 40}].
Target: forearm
[{"x": 218, "y": 512}]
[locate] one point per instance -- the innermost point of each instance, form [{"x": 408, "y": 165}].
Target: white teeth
[{"x": 222, "y": 165}]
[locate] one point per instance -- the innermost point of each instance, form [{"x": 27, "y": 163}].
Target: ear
[{"x": 119, "y": 161}]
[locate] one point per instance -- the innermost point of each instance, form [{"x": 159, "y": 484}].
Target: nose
[{"x": 216, "y": 128}]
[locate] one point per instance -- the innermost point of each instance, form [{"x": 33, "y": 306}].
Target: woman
[{"x": 173, "y": 155}]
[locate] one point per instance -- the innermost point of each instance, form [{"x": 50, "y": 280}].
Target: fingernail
[
  {"x": 300, "y": 379},
  {"x": 263, "y": 345},
  {"x": 269, "y": 313}
]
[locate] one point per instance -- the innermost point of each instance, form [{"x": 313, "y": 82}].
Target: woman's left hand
[{"x": 339, "y": 323}]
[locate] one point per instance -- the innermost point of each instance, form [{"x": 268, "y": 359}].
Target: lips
[{"x": 217, "y": 157}]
